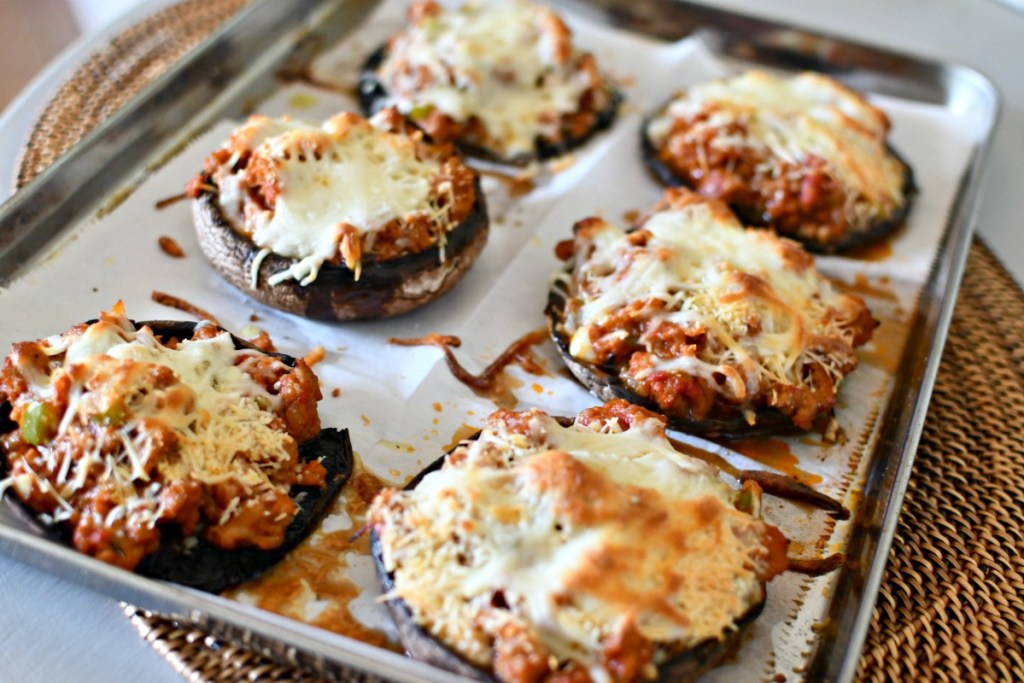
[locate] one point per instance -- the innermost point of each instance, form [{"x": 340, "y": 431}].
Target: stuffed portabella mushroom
[
  {"x": 724, "y": 330},
  {"x": 802, "y": 155},
  {"x": 503, "y": 81},
  {"x": 169, "y": 448},
  {"x": 560, "y": 550},
  {"x": 352, "y": 219}
]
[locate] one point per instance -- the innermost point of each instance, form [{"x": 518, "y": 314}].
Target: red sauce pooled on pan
[
  {"x": 774, "y": 453},
  {"x": 316, "y": 570}
]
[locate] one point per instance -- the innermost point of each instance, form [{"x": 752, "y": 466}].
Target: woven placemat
[
  {"x": 951, "y": 605},
  {"x": 114, "y": 74},
  {"x": 952, "y": 600}
]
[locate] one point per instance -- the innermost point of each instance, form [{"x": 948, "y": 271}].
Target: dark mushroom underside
[
  {"x": 373, "y": 96},
  {"x": 194, "y": 562},
  {"x": 384, "y": 289},
  {"x": 751, "y": 217},
  {"x": 422, "y": 646},
  {"x": 604, "y": 383}
]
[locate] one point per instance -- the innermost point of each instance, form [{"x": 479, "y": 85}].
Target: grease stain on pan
[
  {"x": 885, "y": 349},
  {"x": 515, "y": 185},
  {"x": 710, "y": 458},
  {"x": 880, "y": 250},
  {"x": 461, "y": 434},
  {"x": 876, "y": 251},
  {"x": 775, "y": 453},
  {"x": 302, "y": 101},
  {"x": 312, "y": 584},
  {"x": 400, "y": 446},
  {"x": 862, "y": 286}
]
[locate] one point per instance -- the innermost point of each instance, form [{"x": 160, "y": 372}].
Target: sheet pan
[{"x": 80, "y": 222}]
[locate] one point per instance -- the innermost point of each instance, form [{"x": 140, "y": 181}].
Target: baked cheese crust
[{"x": 593, "y": 551}]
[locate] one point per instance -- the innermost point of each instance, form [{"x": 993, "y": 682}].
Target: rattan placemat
[
  {"x": 114, "y": 74},
  {"x": 951, "y": 603}
]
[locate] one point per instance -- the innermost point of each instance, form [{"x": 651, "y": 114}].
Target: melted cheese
[
  {"x": 346, "y": 173},
  {"x": 580, "y": 529},
  {"x": 232, "y": 194},
  {"x": 485, "y": 62},
  {"x": 712, "y": 275},
  {"x": 215, "y": 409},
  {"x": 792, "y": 120}
]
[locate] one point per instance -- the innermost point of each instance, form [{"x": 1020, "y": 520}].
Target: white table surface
[{"x": 51, "y": 630}]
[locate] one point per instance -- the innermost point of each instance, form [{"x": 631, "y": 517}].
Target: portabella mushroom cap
[
  {"x": 384, "y": 288},
  {"x": 373, "y": 97},
  {"x": 849, "y": 241},
  {"x": 192, "y": 561},
  {"x": 422, "y": 646},
  {"x": 604, "y": 383}
]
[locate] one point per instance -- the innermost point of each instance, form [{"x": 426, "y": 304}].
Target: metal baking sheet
[{"x": 79, "y": 220}]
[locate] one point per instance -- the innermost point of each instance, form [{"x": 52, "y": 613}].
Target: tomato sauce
[{"x": 316, "y": 573}]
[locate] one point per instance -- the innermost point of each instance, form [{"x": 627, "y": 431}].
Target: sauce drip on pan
[
  {"x": 816, "y": 566},
  {"x": 879, "y": 250},
  {"x": 886, "y": 348},
  {"x": 315, "y": 355},
  {"x": 493, "y": 383},
  {"x": 861, "y": 286},
  {"x": 774, "y": 453},
  {"x": 780, "y": 485},
  {"x": 174, "y": 302},
  {"x": 164, "y": 203},
  {"x": 710, "y": 458},
  {"x": 170, "y": 247},
  {"x": 461, "y": 434},
  {"x": 311, "y": 584},
  {"x": 304, "y": 75},
  {"x": 876, "y": 251},
  {"x": 515, "y": 185}
]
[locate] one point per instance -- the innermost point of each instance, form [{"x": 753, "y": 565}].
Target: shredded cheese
[
  {"x": 763, "y": 310},
  {"x": 220, "y": 417}
]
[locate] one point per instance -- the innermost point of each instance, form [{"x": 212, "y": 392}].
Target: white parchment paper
[{"x": 402, "y": 405}]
